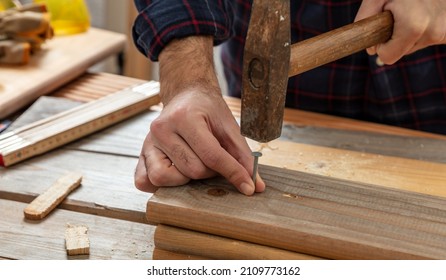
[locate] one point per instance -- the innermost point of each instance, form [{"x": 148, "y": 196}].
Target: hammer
[{"x": 269, "y": 59}]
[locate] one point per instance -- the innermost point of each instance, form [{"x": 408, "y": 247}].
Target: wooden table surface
[
  {"x": 60, "y": 60},
  {"x": 114, "y": 210}
]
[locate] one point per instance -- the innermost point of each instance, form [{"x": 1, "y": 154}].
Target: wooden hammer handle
[{"x": 339, "y": 43}]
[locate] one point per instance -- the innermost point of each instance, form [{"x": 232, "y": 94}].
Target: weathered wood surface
[
  {"x": 107, "y": 160},
  {"x": 61, "y": 60},
  {"x": 393, "y": 172},
  {"x": 107, "y": 185},
  {"x": 109, "y": 238},
  {"x": 420, "y": 148},
  {"x": 311, "y": 214},
  {"x": 160, "y": 254},
  {"x": 187, "y": 242},
  {"x": 127, "y": 137},
  {"x": 304, "y": 118}
]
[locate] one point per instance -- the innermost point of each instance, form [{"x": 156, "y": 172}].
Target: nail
[{"x": 256, "y": 166}]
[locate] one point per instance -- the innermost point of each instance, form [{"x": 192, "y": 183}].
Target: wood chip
[
  {"x": 76, "y": 240},
  {"x": 47, "y": 201}
]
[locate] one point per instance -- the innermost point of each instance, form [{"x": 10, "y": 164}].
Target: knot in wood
[{"x": 217, "y": 192}]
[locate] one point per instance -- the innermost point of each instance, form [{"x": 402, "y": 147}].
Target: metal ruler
[{"x": 55, "y": 131}]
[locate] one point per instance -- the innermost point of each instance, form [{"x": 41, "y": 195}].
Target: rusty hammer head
[{"x": 266, "y": 62}]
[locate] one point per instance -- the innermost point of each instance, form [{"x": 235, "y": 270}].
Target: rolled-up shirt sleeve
[{"x": 161, "y": 21}]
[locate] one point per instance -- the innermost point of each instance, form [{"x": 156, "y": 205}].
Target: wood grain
[
  {"x": 187, "y": 242},
  {"x": 92, "y": 86},
  {"x": 45, "y": 240},
  {"x": 392, "y": 172},
  {"x": 107, "y": 185},
  {"x": 304, "y": 118},
  {"x": 420, "y": 148},
  {"x": 42, "y": 205},
  {"x": 76, "y": 240},
  {"x": 341, "y": 42},
  {"x": 160, "y": 254},
  {"x": 61, "y": 60},
  {"x": 311, "y": 214}
]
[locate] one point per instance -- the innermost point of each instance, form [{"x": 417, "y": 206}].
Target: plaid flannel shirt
[{"x": 411, "y": 93}]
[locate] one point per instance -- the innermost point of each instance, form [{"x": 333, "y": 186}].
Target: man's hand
[
  {"x": 418, "y": 24},
  {"x": 195, "y": 136}
]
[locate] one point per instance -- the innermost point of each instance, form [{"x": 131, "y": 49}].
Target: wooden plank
[
  {"x": 386, "y": 171},
  {"x": 392, "y": 172},
  {"x": 311, "y": 214},
  {"x": 62, "y": 59},
  {"x": 367, "y": 142},
  {"x": 127, "y": 138},
  {"x": 107, "y": 186},
  {"x": 187, "y": 242},
  {"x": 76, "y": 240},
  {"x": 304, "y": 118},
  {"x": 160, "y": 254},
  {"x": 43, "y": 204},
  {"x": 109, "y": 238}
]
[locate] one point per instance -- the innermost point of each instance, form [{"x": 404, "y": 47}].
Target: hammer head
[{"x": 266, "y": 62}]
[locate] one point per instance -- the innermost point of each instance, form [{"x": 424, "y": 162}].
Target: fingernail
[{"x": 247, "y": 189}]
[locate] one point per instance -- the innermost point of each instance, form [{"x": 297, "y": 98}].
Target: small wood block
[
  {"x": 76, "y": 240},
  {"x": 47, "y": 201}
]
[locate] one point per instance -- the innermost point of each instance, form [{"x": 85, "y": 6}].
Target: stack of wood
[{"x": 299, "y": 216}]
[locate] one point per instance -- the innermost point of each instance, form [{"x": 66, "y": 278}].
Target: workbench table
[{"x": 115, "y": 211}]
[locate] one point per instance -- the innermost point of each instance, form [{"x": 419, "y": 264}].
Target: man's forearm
[{"x": 187, "y": 63}]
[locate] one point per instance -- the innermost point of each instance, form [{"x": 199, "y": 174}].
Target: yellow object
[
  {"x": 67, "y": 16},
  {"x": 6, "y": 4}
]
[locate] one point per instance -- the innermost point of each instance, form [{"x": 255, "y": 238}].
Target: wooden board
[
  {"x": 311, "y": 214},
  {"x": 392, "y": 172},
  {"x": 107, "y": 185},
  {"x": 420, "y": 148},
  {"x": 160, "y": 254},
  {"x": 109, "y": 238},
  {"x": 187, "y": 242},
  {"x": 304, "y": 118},
  {"x": 61, "y": 60}
]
